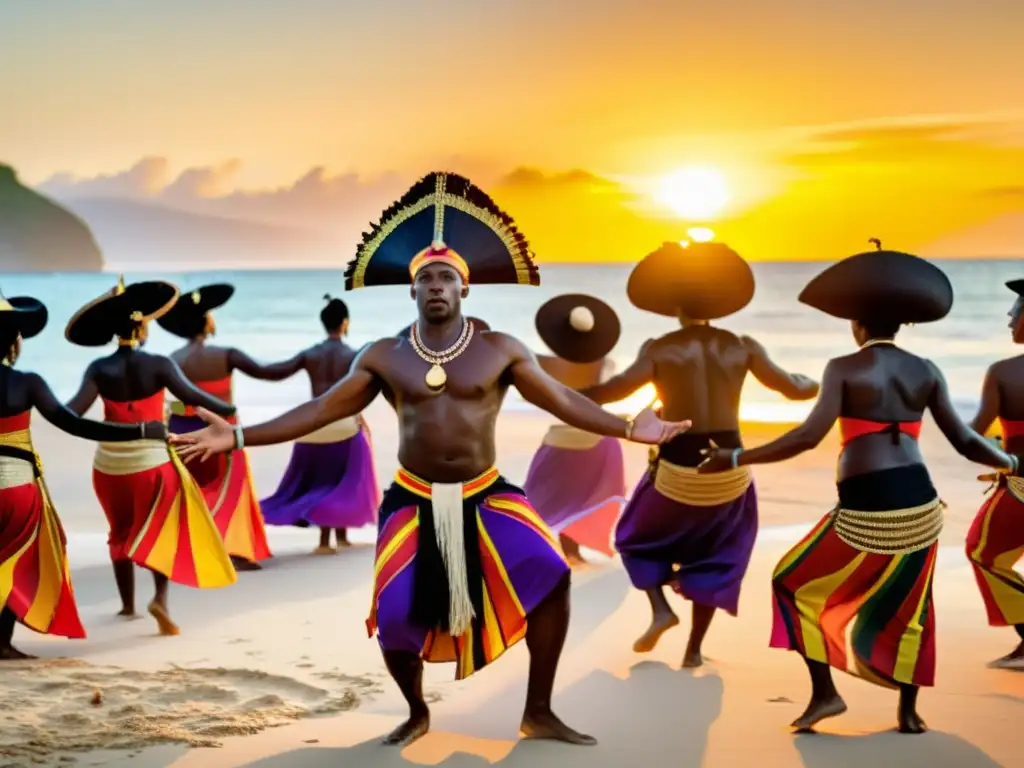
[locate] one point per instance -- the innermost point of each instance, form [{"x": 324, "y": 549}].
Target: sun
[{"x": 695, "y": 192}]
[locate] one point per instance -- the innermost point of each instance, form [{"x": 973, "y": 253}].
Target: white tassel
[{"x": 446, "y": 501}]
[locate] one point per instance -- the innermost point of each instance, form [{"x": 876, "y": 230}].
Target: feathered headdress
[{"x": 443, "y": 217}]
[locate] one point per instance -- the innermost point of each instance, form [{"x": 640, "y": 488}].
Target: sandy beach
[{"x": 277, "y": 669}]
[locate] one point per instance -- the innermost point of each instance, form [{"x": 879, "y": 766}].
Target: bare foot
[
  {"x": 659, "y": 626},
  {"x": 1013, "y": 660},
  {"x": 692, "y": 659},
  {"x": 10, "y": 653},
  {"x": 819, "y": 710},
  {"x": 241, "y": 564},
  {"x": 911, "y": 722},
  {"x": 321, "y": 550},
  {"x": 128, "y": 613},
  {"x": 546, "y": 725},
  {"x": 163, "y": 619},
  {"x": 414, "y": 728}
]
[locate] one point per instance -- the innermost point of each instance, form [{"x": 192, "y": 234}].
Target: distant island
[{"x": 38, "y": 235}]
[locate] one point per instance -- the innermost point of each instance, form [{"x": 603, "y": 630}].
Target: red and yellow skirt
[
  {"x": 35, "y": 581},
  {"x": 157, "y": 514},
  {"x": 226, "y": 483},
  {"x": 995, "y": 543}
]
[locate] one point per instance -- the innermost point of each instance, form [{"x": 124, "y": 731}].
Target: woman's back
[{"x": 885, "y": 392}]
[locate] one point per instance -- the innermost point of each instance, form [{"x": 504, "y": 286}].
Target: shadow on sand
[
  {"x": 933, "y": 749},
  {"x": 656, "y": 713}
]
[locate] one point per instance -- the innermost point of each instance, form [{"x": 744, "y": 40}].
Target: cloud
[{"x": 147, "y": 178}]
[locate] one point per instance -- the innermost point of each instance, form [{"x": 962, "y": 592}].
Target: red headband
[{"x": 439, "y": 254}]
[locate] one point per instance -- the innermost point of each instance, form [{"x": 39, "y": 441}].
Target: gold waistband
[
  {"x": 15, "y": 471},
  {"x": 130, "y": 457},
  {"x": 893, "y": 532},
  {"x": 685, "y": 485},
  {"x": 335, "y": 432},
  {"x": 570, "y": 438}
]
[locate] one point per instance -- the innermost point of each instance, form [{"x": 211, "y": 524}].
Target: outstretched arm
[
  {"x": 619, "y": 387},
  {"x": 792, "y": 386},
  {"x": 238, "y": 360},
  {"x": 967, "y": 442},
  {"x": 566, "y": 404},
  {"x": 988, "y": 410},
  {"x": 809, "y": 434},
  {"x": 86, "y": 395},
  {"x": 175, "y": 382},
  {"x": 68, "y": 421}
]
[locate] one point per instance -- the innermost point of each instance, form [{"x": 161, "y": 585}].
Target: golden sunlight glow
[
  {"x": 645, "y": 397},
  {"x": 701, "y": 234},
  {"x": 695, "y": 193}
]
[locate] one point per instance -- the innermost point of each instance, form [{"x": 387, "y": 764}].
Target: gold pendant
[{"x": 436, "y": 378}]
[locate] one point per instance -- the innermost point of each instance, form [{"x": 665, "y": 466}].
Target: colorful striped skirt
[
  {"x": 35, "y": 581},
  {"x": 995, "y": 544},
  {"x": 471, "y": 603},
  {"x": 157, "y": 514},
  {"x": 870, "y": 562},
  {"x": 577, "y": 482},
  {"x": 226, "y": 483}
]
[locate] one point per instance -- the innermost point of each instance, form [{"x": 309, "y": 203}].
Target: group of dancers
[{"x": 467, "y": 564}]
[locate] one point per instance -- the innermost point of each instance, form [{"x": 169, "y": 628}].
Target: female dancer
[
  {"x": 577, "y": 480},
  {"x": 330, "y": 480},
  {"x": 996, "y": 539},
  {"x": 226, "y": 481},
  {"x": 158, "y": 518},
  {"x": 35, "y": 583},
  {"x": 872, "y": 557}
]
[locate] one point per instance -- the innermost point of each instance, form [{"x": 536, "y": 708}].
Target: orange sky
[{"x": 831, "y": 122}]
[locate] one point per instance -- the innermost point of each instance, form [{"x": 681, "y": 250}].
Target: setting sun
[{"x": 695, "y": 193}]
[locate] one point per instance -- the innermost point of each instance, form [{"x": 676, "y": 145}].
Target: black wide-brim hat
[
  {"x": 26, "y": 314},
  {"x": 881, "y": 286},
  {"x": 443, "y": 210},
  {"x": 701, "y": 281},
  {"x": 96, "y": 324},
  {"x": 562, "y": 325},
  {"x": 1017, "y": 286},
  {"x": 182, "y": 317}
]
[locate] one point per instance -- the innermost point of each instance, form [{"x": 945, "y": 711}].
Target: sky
[{"x": 828, "y": 122}]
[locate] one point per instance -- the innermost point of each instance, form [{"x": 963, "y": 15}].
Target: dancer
[
  {"x": 995, "y": 541},
  {"x": 330, "y": 481},
  {"x": 692, "y": 531},
  {"x": 577, "y": 480},
  {"x": 158, "y": 518},
  {"x": 465, "y": 568},
  {"x": 227, "y": 482},
  {"x": 872, "y": 557},
  {"x": 35, "y": 583}
]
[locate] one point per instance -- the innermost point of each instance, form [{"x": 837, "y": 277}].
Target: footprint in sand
[{"x": 47, "y": 710}]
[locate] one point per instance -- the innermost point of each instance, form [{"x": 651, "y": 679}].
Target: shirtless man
[
  {"x": 469, "y": 533},
  {"x": 227, "y": 484},
  {"x": 138, "y": 483},
  {"x": 998, "y": 529},
  {"x": 679, "y": 528},
  {"x": 330, "y": 481}
]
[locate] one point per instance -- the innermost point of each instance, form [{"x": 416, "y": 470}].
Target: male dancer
[
  {"x": 227, "y": 483},
  {"x": 465, "y": 567},
  {"x": 693, "y": 531},
  {"x": 581, "y": 330},
  {"x": 996, "y": 540},
  {"x": 158, "y": 518},
  {"x": 330, "y": 481}
]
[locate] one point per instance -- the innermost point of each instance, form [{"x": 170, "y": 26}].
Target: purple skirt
[
  {"x": 703, "y": 552},
  {"x": 330, "y": 485},
  {"x": 579, "y": 493}
]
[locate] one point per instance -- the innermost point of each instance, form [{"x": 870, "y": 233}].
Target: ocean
[{"x": 274, "y": 314}]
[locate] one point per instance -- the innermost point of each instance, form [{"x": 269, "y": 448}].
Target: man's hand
[
  {"x": 218, "y": 437},
  {"x": 649, "y": 429}
]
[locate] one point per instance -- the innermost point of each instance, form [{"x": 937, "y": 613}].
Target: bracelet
[
  {"x": 1014, "y": 464},
  {"x": 629, "y": 428},
  {"x": 239, "y": 438},
  {"x": 734, "y": 457},
  {"x": 142, "y": 429}
]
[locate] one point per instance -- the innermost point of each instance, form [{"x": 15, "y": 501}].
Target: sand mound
[{"x": 62, "y": 706}]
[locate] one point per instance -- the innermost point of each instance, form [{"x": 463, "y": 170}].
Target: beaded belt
[
  {"x": 893, "y": 532},
  {"x": 686, "y": 486}
]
